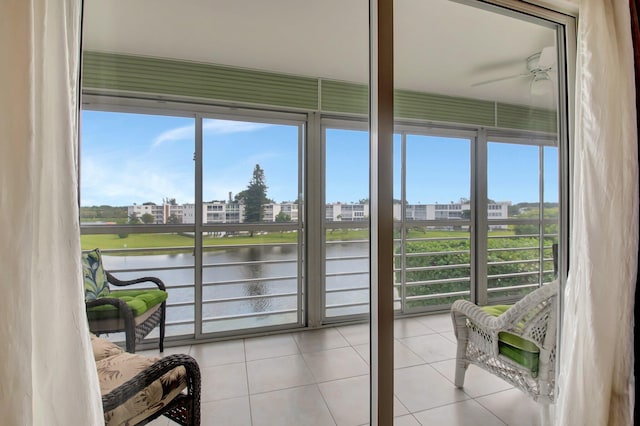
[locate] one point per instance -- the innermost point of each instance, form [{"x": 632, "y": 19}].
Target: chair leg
[
  {"x": 545, "y": 415},
  {"x": 462, "y": 337},
  {"x": 163, "y": 315},
  {"x": 130, "y": 337},
  {"x": 461, "y": 369}
]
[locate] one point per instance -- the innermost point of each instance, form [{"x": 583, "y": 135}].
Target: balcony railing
[{"x": 250, "y": 286}]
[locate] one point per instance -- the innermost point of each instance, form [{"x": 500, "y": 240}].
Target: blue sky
[{"x": 135, "y": 158}]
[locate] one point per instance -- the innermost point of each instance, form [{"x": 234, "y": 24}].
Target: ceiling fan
[{"x": 539, "y": 66}]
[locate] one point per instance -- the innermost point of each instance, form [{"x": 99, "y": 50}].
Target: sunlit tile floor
[{"x": 321, "y": 377}]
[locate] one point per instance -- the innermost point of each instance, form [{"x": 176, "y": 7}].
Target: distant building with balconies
[
  {"x": 157, "y": 211},
  {"x": 233, "y": 212},
  {"x": 339, "y": 212}
]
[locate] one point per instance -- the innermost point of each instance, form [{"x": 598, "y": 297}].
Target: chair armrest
[
  {"x": 464, "y": 308},
  {"x": 124, "y": 310},
  {"x": 117, "y": 282},
  {"x": 522, "y": 307},
  {"x": 511, "y": 316},
  {"x": 143, "y": 379}
]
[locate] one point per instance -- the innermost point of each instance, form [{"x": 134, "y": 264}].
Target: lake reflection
[{"x": 239, "y": 283}]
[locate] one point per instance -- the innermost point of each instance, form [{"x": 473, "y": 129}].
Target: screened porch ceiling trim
[{"x": 117, "y": 73}]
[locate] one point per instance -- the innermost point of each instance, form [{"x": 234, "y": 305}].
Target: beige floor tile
[
  {"x": 364, "y": 352},
  {"x": 291, "y": 407},
  {"x": 348, "y": 400},
  {"x": 227, "y": 412},
  {"x": 270, "y": 346},
  {"x": 409, "y": 327},
  {"x": 399, "y": 409},
  {"x": 218, "y": 353},
  {"x": 403, "y": 356},
  {"x": 513, "y": 407},
  {"x": 345, "y": 399},
  {"x": 407, "y": 420},
  {"x": 334, "y": 364},
  {"x": 319, "y": 340},
  {"x": 278, "y": 373},
  {"x": 321, "y": 377},
  {"x": 438, "y": 322},
  {"x": 464, "y": 413},
  {"x": 431, "y": 348},
  {"x": 477, "y": 382},
  {"x": 160, "y": 421},
  {"x": 421, "y": 388},
  {"x": 224, "y": 382},
  {"x": 356, "y": 334},
  {"x": 449, "y": 335}
]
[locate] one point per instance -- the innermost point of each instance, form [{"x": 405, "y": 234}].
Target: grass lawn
[
  {"x": 185, "y": 241},
  {"x": 113, "y": 241}
]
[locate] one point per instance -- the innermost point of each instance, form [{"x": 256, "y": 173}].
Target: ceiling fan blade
[
  {"x": 547, "y": 57},
  {"x": 494, "y": 80}
]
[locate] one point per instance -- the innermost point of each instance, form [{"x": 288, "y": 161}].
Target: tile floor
[{"x": 321, "y": 377}]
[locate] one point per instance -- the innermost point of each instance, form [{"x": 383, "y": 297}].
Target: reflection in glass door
[
  {"x": 434, "y": 257},
  {"x": 346, "y": 222},
  {"x": 250, "y": 222},
  {"x": 136, "y": 174},
  {"x": 522, "y": 214}
]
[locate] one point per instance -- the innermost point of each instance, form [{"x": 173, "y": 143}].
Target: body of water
[{"x": 246, "y": 287}]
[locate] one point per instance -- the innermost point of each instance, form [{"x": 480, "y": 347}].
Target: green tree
[
  {"x": 102, "y": 213},
  {"x": 148, "y": 218},
  {"x": 254, "y": 197},
  {"x": 173, "y": 219},
  {"x": 134, "y": 219},
  {"x": 283, "y": 217},
  {"x": 534, "y": 213}
]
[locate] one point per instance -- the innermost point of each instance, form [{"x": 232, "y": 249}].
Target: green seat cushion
[
  {"x": 95, "y": 278},
  {"x": 139, "y": 300},
  {"x": 522, "y": 351}
]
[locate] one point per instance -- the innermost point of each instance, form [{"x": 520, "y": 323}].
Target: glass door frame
[
  {"x": 250, "y": 116},
  {"x": 460, "y": 133},
  {"x": 525, "y": 138}
]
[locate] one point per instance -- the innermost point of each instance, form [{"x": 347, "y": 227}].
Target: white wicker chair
[{"x": 481, "y": 341}]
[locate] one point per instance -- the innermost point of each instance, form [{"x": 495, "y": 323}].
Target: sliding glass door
[
  {"x": 250, "y": 224},
  {"x": 522, "y": 215}
]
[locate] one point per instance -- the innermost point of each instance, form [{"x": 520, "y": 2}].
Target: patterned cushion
[
  {"x": 103, "y": 348},
  {"x": 117, "y": 369},
  {"x": 95, "y": 279}
]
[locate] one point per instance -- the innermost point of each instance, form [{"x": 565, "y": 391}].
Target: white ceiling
[{"x": 440, "y": 46}]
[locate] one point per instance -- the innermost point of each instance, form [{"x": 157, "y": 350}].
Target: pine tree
[{"x": 254, "y": 196}]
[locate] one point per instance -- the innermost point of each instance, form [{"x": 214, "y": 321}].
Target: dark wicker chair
[
  {"x": 137, "y": 390},
  {"x": 112, "y": 311},
  {"x": 184, "y": 409}
]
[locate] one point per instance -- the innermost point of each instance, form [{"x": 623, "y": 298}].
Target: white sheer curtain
[
  {"x": 596, "y": 384},
  {"x": 47, "y": 372}
]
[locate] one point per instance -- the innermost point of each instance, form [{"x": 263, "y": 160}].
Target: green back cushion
[
  {"x": 522, "y": 351},
  {"x": 95, "y": 279},
  {"x": 139, "y": 300}
]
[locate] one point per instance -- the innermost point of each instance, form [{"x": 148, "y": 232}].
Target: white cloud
[
  {"x": 129, "y": 183},
  {"x": 212, "y": 127},
  {"x": 177, "y": 134},
  {"x": 225, "y": 126}
]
